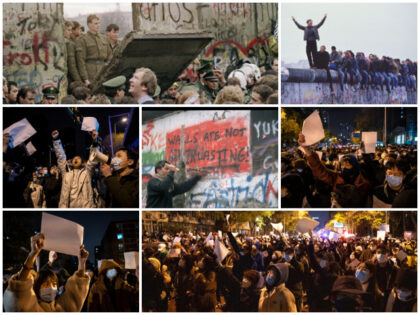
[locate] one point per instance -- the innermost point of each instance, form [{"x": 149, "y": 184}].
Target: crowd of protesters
[
  {"x": 31, "y": 287},
  {"x": 344, "y": 177},
  {"x": 72, "y": 183},
  {"x": 88, "y": 53},
  {"x": 367, "y": 72},
  {"x": 184, "y": 272}
]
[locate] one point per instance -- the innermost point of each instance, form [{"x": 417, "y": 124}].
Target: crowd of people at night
[
  {"x": 89, "y": 52},
  {"x": 287, "y": 272},
  {"x": 31, "y": 287},
  {"x": 72, "y": 182},
  {"x": 344, "y": 177}
]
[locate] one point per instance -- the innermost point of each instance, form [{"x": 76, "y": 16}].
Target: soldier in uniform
[
  {"x": 112, "y": 33},
  {"x": 92, "y": 51},
  {"x": 73, "y": 72},
  {"x": 115, "y": 88},
  {"x": 210, "y": 87},
  {"x": 50, "y": 95}
]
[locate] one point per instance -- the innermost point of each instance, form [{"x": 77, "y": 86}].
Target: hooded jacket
[
  {"x": 279, "y": 299},
  {"x": 122, "y": 297},
  {"x": 83, "y": 197},
  {"x": 20, "y": 296}
]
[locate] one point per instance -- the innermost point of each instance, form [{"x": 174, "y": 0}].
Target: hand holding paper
[
  {"x": 312, "y": 129},
  {"x": 19, "y": 132},
  {"x": 37, "y": 243}
]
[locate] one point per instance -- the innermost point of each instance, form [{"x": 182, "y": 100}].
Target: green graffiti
[{"x": 151, "y": 158}]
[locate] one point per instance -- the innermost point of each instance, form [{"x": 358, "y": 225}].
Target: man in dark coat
[{"x": 162, "y": 188}]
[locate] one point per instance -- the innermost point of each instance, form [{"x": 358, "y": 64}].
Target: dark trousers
[{"x": 311, "y": 50}]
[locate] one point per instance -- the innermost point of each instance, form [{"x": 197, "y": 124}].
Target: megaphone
[{"x": 98, "y": 156}]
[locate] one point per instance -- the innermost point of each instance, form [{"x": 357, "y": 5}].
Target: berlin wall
[
  {"x": 34, "y": 50},
  {"x": 308, "y": 86},
  {"x": 238, "y": 148},
  {"x": 241, "y": 29}
]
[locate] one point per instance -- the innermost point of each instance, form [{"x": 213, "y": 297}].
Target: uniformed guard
[
  {"x": 211, "y": 86},
  {"x": 73, "y": 72},
  {"x": 115, "y": 88},
  {"x": 92, "y": 51},
  {"x": 50, "y": 95},
  {"x": 112, "y": 33}
]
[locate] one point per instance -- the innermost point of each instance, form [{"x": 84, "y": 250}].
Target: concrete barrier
[{"x": 309, "y": 86}]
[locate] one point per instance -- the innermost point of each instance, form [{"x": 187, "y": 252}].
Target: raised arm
[
  {"x": 297, "y": 24},
  {"x": 322, "y": 21},
  {"x": 59, "y": 152},
  {"x": 91, "y": 164},
  {"x": 37, "y": 242}
]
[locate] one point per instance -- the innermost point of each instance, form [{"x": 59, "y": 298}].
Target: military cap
[
  {"x": 115, "y": 83},
  {"x": 50, "y": 92},
  {"x": 206, "y": 65},
  {"x": 210, "y": 76}
]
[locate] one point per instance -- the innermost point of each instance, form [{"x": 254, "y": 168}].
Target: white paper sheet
[
  {"x": 176, "y": 240},
  {"x": 369, "y": 140},
  {"x": 384, "y": 227},
  {"x": 220, "y": 250},
  {"x": 131, "y": 260},
  {"x": 380, "y": 235},
  {"x": 209, "y": 237},
  {"x": 30, "y": 148},
  {"x": 401, "y": 255},
  {"x": 220, "y": 234},
  {"x": 19, "y": 132},
  {"x": 312, "y": 129},
  {"x": 278, "y": 226},
  {"x": 61, "y": 235},
  {"x": 90, "y": 124},
  {"x": 305, "y": 225}
]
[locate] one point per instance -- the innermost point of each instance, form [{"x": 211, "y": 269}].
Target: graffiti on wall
[
  {"x": 241, "y": 30},
  {"x": 320, "y": 93},
  {"x": 33, "y": 45},
  {"x": 237, "y": 148}
]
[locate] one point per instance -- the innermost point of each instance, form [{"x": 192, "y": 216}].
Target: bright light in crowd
[{"x": 124, "y": 119}]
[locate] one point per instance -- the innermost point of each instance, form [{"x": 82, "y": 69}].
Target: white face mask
[
  {"x": 288, "y": 258},
  {"x": 116, "y": 163},
  {"x": 48, "y": 294},
  {"x": 403, "y": 295},
  {"x": 322, "y": 263},
  {"x": 111, "y": 274},
  {"x": 274, "y": 257}
]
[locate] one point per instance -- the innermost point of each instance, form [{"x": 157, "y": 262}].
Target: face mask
[
  {"x": 403, "y": 295},
  {"x": 45, "y": 172},
  {"x": 372, "y": 247},
  {"x": 48, "y": 294},
  {"x": 300, "y": 170},
  {"x": 274, "y": 257},
  {"x": 352, "y": 257},
  {"x": 381, "y": 258},
  {"x": 363, "y": 276},
  {"x": 322, "y": 263},
  {"x": 269, "y": 280},
  {"x": 288, "y": 258},
  {"x": 116, "y": 163},
  {"x": 246, "y": 283},
  {"x": 386, "y": 162},
  {"x": 35, "y": 179},
  {"x": 111, "y": 273},
  {"x": 394, "y": 181}
]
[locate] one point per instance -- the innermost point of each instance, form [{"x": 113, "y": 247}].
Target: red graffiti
[
  {"x": 270, "y": 189},
  {"x": 26, "y": 58},
  {"x": 146, "y": 134},
  {"x": 236, "y": 44},
  {"x": 219, "y": 146}
]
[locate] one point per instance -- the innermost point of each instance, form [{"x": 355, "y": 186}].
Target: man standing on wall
[
  {"x": 162, "y": 188},
  {"x": 93, "y": 51},
  {"x": 311, "y": 36}
]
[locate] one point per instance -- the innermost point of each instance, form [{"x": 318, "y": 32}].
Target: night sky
[
  {"x": 94, "y": 222},
  {"x": 45, "y": 120},
  {"x": 324, "y": 217}
]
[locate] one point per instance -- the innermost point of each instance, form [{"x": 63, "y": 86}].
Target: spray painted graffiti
[
  {"x": 241, "y": 30},
  {"x": 33, "y": 45},
  {"x": 320, "y": 93},
  {"x": 237, "y": 148}
]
